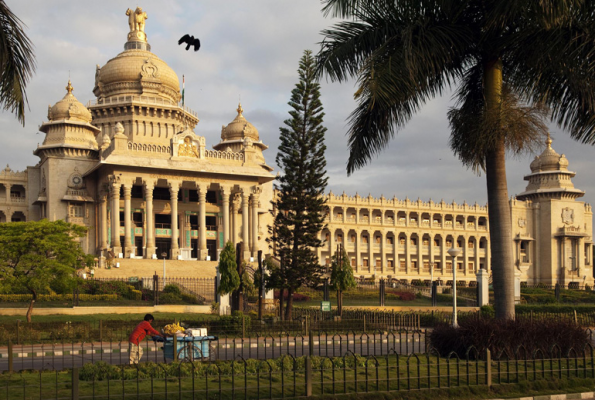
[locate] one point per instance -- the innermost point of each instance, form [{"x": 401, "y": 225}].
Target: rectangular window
[
  {"x": 402, "y": 241},
  {"x": 76, "y": 211},
  {"x": 460, "y": 266},
  {"x": 470, "y": 266},
  {"x": 390, "y": 264},
  {"x": 353, "y": 262},
  {"x": 437, "y": 265},
  {"x": 378, "y": 263},
  {"x": 413, "y": 264},
  {"x": 449, "y": 266},
  {"x": 137, "y": 219},
  {"x": 402, "y": 266},
  {"x": 352, "y": 238},
  {"x": 378, "y": 239},
  {"x": 366, "y": 264},
  {"x": 340, "y": 238},
  {"x": 327, "y": 261}
]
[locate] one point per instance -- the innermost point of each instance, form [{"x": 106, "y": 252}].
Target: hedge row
[{"x": 20, "y": 298}]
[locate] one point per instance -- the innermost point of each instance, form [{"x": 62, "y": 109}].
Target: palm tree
[
  {"x": 404, "y": 52},
  {"x": 17, "y": 63}
]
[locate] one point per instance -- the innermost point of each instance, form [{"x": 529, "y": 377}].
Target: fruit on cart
[{"x": 172, "y": 329}]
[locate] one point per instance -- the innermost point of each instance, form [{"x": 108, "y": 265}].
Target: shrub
[
  {"x": 520, "y": 337},
  {"x": 169, "y": 298},
  {"x": 173, "y": 289},
  {"x": 296, "y": 296}
]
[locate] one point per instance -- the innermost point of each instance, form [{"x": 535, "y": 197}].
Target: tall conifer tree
[{"x": 300, "y": 206}]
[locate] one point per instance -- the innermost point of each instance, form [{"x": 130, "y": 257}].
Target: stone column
[
  {"x": 245, "y": 234},
  {"x": 174, "y": 188},
  {"x": 235, "y": 206},
  {"x": 7, "y": 186},
  {"x": 407, "y": 254},
  {"x": 466, "y": 255},
  {"x": 357, "y": 245},
  {"x": 150, "y": 228},
  {"x": 383, "y": 239},
  {"x": 115, "y": 209},
  {"x": 103, "y": 221},
  {"x": 255, "y": 200},
  {"x": 202, "y": 222},
  {"x": 128, "y": 249},
  {"x": 225, "y": 206}
]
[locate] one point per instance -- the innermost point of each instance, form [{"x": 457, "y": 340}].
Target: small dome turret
[
  {"x": 69, "y": 108},
  {"x": 239, "y": 128},
  {"x": 550, "y": 177}
]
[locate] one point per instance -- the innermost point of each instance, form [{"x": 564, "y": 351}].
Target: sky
[{"x": 250, "y": 51}]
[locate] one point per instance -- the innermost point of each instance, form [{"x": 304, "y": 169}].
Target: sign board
[
  {"x": 133, "y": 279},
  {"x": 325, "y": 306}
]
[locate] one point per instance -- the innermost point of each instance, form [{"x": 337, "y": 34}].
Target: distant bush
[
  {"x": 169, "y": 298},
  {"x": 509, "y": 336},
  {"x": 173, "y": 289},
  {"x": 296, "y": 296}
]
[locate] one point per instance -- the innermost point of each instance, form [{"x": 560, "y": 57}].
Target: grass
[{"x": 416, "y": 377}]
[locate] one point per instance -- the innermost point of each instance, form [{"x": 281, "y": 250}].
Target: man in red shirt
[{"x": 135, "y": 350}]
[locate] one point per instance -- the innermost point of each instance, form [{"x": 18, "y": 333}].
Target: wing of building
[
  {"x": 409, "y": 240},
  {"x": 130, "y": 166}
]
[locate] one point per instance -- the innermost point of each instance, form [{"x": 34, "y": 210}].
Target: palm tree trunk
[
  {"x": 281, "y": 294},
  {"x": 498, "y": 206}
]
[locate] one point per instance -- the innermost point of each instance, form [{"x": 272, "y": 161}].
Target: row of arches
[{"x": 406, "y": 218}]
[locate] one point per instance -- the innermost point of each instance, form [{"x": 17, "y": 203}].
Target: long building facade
[
  {"x": 409, "y": 240},
  {"x": 130, "y": 166}
]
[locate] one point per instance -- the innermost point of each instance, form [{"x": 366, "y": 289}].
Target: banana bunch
[{"x": 172, "y": 329}]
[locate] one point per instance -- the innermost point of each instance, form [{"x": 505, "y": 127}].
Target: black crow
[{"x": 190, "y": 41}]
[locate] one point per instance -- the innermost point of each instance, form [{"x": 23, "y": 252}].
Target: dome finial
[
  {"x": 69, "y": 88},
  {"x": 548, "y": 141},
  {"x": 240, "y": 110}
]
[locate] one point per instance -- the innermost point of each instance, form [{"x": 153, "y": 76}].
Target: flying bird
[{"x": 190, "y": 41}]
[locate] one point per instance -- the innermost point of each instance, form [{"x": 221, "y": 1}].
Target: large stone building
[
  {"x": 130, "y": 167},
  {"x": 409, "y": 240}
]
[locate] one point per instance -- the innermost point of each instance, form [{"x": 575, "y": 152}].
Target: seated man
[{"x": 135, "y": 350}]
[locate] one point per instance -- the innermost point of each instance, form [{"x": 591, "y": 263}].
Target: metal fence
[
  {"x": 56, "y": 356},
  {"x": 291, "y": 377}
]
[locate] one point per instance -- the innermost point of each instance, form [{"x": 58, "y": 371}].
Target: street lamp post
[
  {"x": 164, "y": 254},
  {"x": 454, "y": 252}
]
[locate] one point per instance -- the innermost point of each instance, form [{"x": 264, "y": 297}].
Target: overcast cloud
[{"x": 250, "y": 49}]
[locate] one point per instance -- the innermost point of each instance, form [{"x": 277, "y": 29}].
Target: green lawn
[{"x": 105, "y": 317}]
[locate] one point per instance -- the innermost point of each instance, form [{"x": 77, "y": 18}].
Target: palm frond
[{"x": 17, "y": 63}]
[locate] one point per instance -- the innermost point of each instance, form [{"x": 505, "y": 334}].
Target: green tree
[
  {"x": 17, "y": 63},
  {"x": 228, "y": 269},
  {"x": 341, "y": 276},
  {"x": 300, "y": 203},
  {"x": 403, "y": 53},
  {"x": 36, "y": 256}
]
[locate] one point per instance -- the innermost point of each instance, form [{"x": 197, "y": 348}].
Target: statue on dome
[
  {"x": 136, "y": 19},
  {"x": 187, "y": 149}
]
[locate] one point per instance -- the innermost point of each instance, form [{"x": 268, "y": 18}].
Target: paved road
[{"x": 58, "y": 356}]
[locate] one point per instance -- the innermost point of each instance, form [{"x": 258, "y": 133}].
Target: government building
[{"x": 130, "y": 166}]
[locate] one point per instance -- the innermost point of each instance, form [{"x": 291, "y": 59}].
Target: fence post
[
  {"x": 575, "y": 318},
  {"x": 243, "y": 326},
  {"x": 175, "y": 346},
  {"x": 311, "y": 343},
  {"x": 364, "y": 323},
  {"x": 75, "y": 384},
  {"x": 488, "y": 368},
  {"x": 100, "y": 331},
  {"x": 10, "y": 356},
  {"x": 308, "y": 377}
]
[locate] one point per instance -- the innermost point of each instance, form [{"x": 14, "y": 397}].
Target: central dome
[{"x": 137, "y": 71}]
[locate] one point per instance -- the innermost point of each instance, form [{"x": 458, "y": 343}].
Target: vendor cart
[{"x": 189, "y": 348}]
